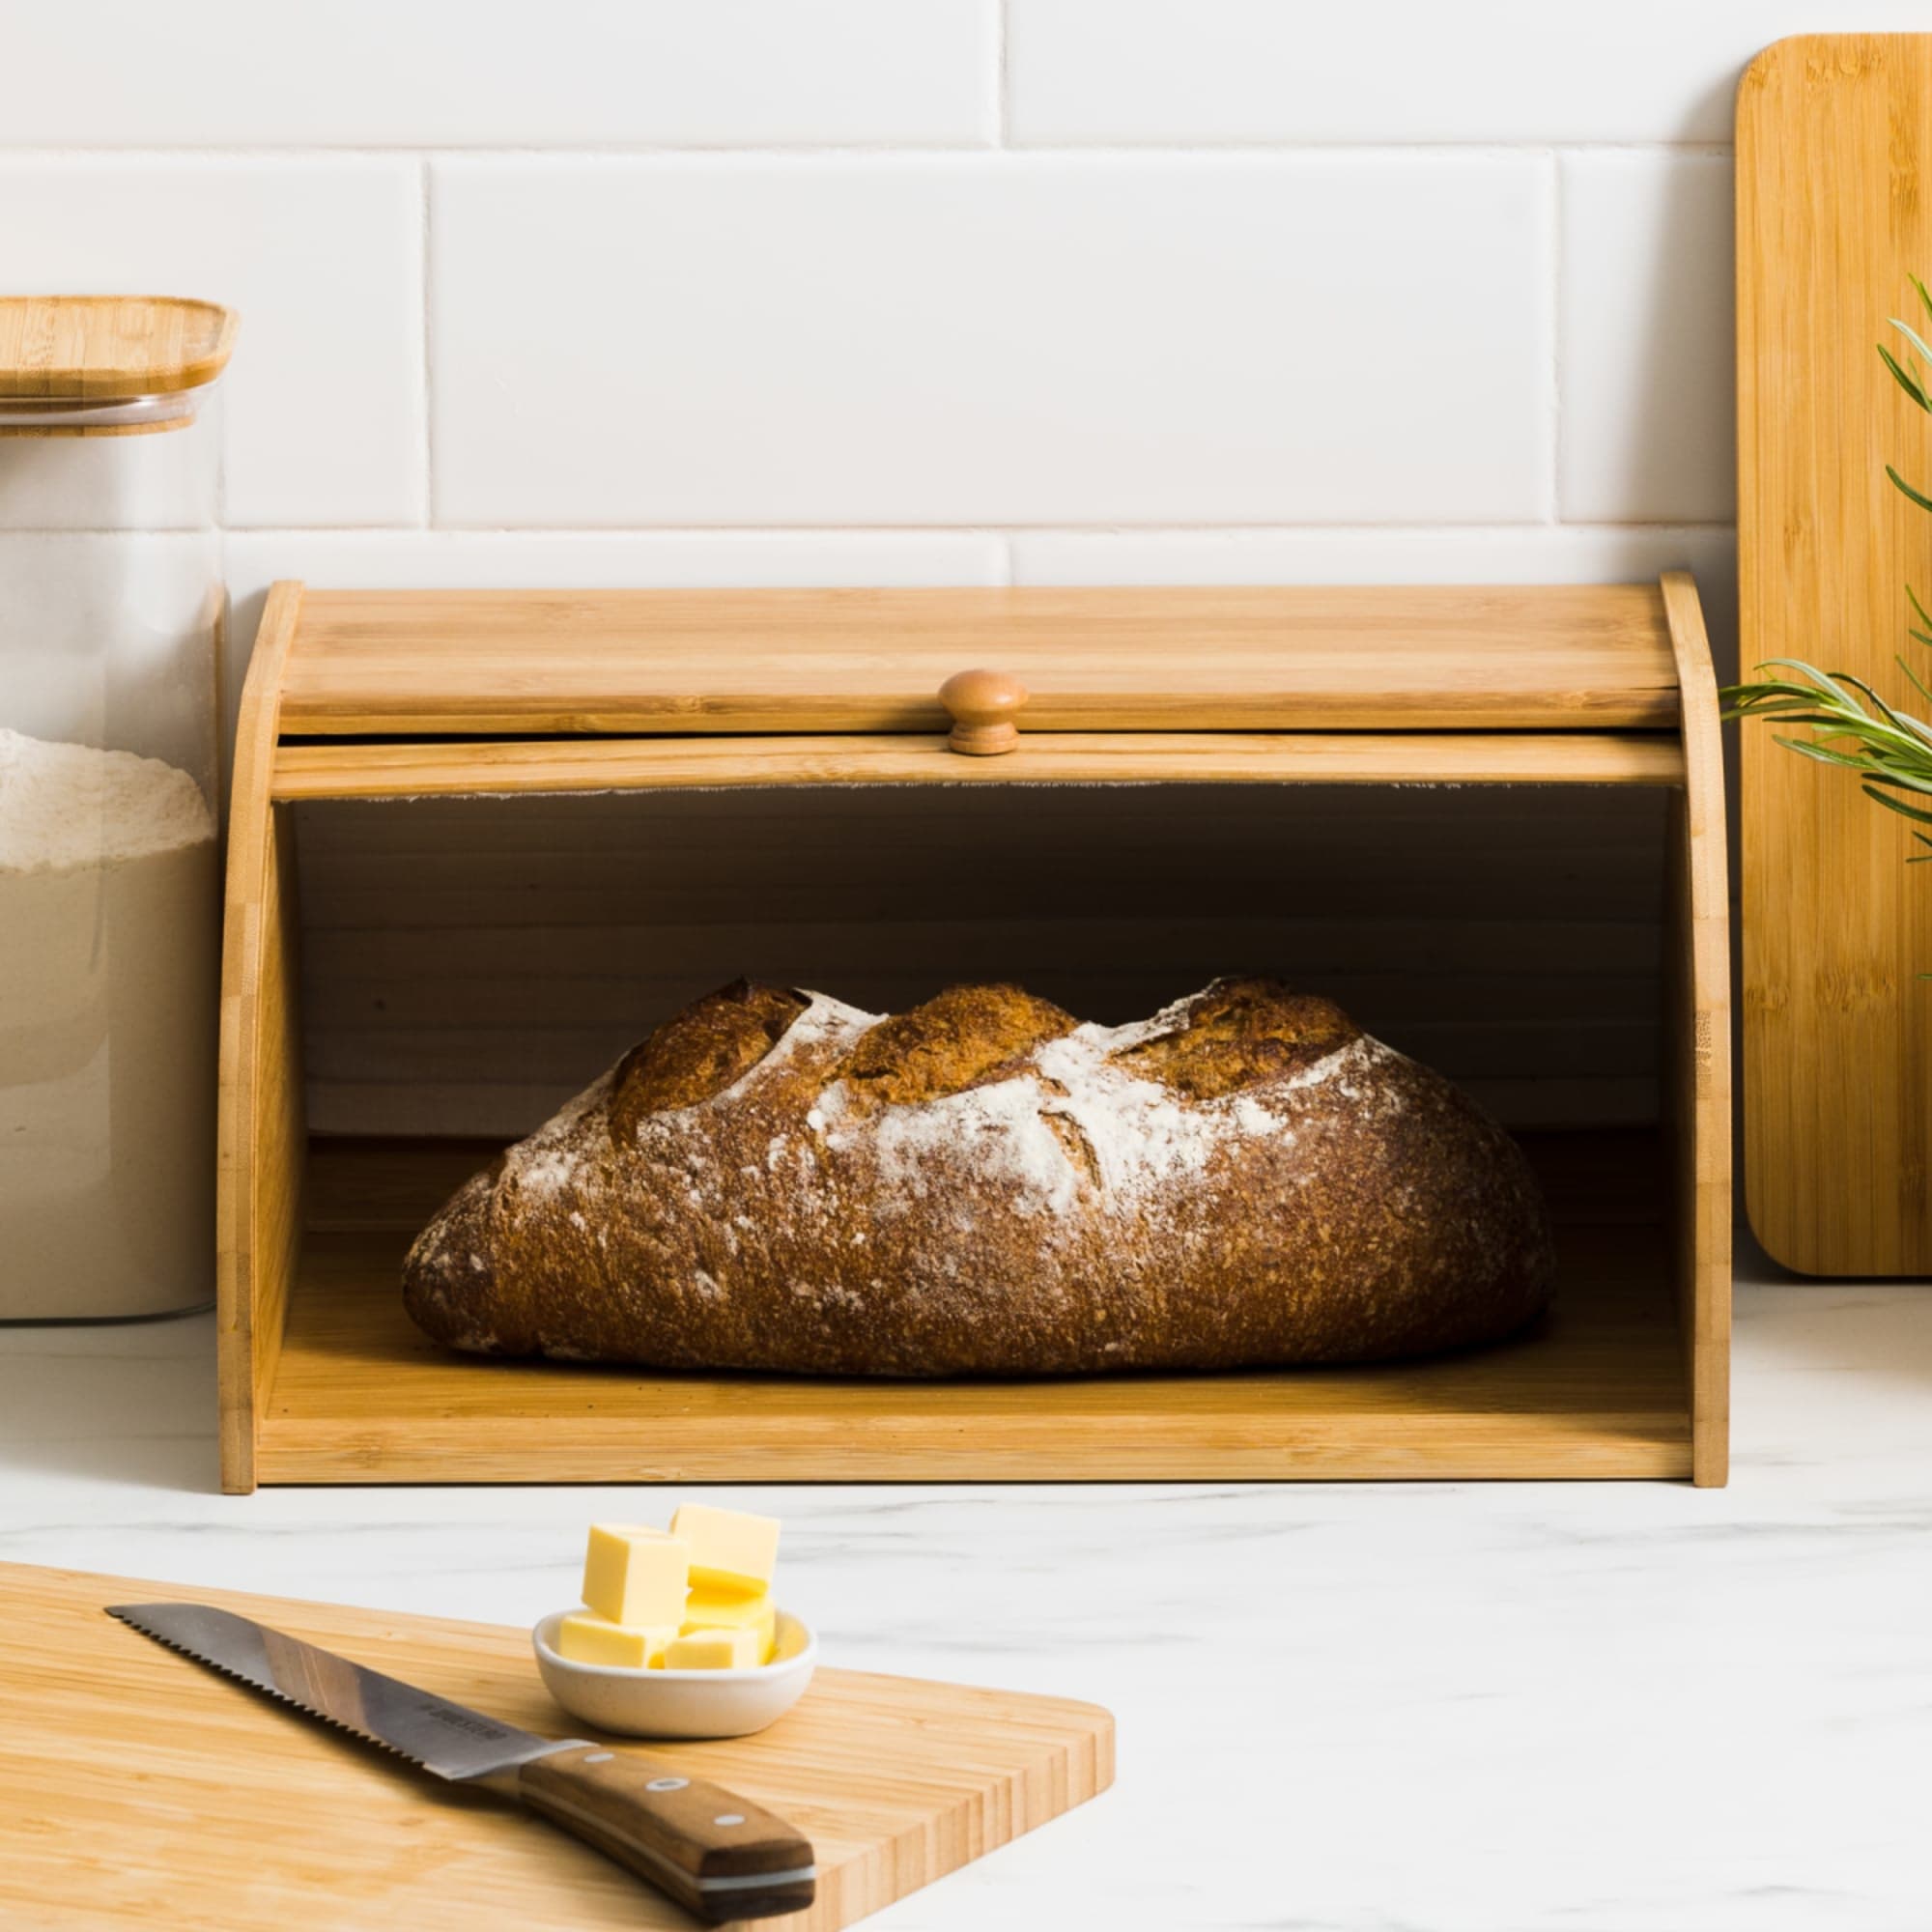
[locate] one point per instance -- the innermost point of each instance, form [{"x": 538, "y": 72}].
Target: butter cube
[
  {"x": 714, "y": 1650},
  {"x": 637, "y": 1577},
  {"x": 585, "y": 1637},
  {"x": 710, "y": 1609},
  {"x": 730, "y": 1549}
]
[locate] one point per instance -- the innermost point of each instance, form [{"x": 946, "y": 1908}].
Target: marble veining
[{"x": 1393, "y": 1708}]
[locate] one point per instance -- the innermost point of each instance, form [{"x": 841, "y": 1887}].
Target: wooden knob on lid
[{"x": 985, "y": 705}]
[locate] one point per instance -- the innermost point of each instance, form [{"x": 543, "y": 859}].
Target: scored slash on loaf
[{"x": 774, "y": 1180}]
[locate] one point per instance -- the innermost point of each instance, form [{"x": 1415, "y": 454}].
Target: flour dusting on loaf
[{"x": 775, "y": 1181}]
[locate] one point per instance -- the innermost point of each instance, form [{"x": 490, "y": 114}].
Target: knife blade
[{"x": 717, "y": 1855}]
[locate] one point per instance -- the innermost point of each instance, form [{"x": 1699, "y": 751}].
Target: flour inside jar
[{"x": 108, "y": 978}]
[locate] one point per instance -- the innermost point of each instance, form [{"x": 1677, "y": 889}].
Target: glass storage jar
[{"x": 110, "y": 615}]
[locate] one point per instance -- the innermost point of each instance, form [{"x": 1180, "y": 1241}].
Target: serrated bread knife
[{"x": 717, "y": 1855}]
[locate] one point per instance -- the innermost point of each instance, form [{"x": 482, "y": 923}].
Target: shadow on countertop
[{"x": 126, "y": 1402}]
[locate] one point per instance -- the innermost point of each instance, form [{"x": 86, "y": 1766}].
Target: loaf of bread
[{"x": 773, "y": 1180}]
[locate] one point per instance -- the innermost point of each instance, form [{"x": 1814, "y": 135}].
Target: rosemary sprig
[{"x": 1852, "y": 726}]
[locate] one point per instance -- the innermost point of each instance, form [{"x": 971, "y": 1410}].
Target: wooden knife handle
[{"x": 717, "y": 1855}]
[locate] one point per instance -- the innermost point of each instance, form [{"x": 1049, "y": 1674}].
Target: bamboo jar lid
[{"x": 107, "y": 365}]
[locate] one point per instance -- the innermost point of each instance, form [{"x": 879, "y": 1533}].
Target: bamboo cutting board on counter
[
  {"x": 1834, "y": 212},
  {"x": 142, "y": 1789}
]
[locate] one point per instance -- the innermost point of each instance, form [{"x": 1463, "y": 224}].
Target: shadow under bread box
[
  {"x": 111, "y": 882},
  {"x": 524, "y": 827}
]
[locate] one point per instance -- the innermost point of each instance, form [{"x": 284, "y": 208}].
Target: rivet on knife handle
[{"x": 712, "y": 1850}]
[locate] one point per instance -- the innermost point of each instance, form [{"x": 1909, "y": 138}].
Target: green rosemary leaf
[
  {"x": 1767, "y": 700},
  {"x": 1818, "y": 677},
  {"x": 1807, "y": 747},
  {"x": 1917, "y": 728},
  {"x": 1910, "y": 383},
  {"x": 1897, "y": 805},
  {"x": 1913, "y": 755},
  {"x": 1895, "y": 727},
  {"x": 1912, "y": 335},
  {"x": 1863, "y": 690},
  {"x": 1888, "y": 776},
  {"x": 1924, "y": 502},
  {"x": 1917, "y": 684},
  {"x": 1781, "y": 688}
]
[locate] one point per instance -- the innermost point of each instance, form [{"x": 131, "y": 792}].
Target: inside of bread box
[{"x": 467, "y": 965}]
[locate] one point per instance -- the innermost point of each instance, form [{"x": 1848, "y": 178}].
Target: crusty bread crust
[{"x": 777, "y": 1181}]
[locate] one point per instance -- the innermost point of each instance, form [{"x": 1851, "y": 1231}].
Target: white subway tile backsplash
[
  {"x": 1394, "y": 339},
  {"x": 612, "y": 560},
  {"x": 949, "y": 341},
  {"x": 1130, "y": 71},
  {"x": 1548, "y": 554},
  {"x": 888, "y": 291},
  {"x": 322, "y": 258},
  {"x": 1646, "y": 371},
  {"x": 573, "y": 74}
]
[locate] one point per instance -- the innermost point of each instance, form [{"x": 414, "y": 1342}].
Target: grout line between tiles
[
  {"x": 535, "y": 533},
  {"x": 1000, "y": 27},
  {"x": 1555, "y": 238},
  {"x": 1200, "y": 148},
  {"x": 426, "y": 448}
]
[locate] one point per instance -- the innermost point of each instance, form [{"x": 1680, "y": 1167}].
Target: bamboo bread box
[{"x": 503, "y": 695}]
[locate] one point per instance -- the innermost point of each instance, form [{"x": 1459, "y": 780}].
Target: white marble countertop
[{"x": 1599, "y": 1708}]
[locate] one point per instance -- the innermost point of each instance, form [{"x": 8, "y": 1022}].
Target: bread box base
[
  {"x": 360, "y": 1394},
  {"x": 451, "y": 695}
]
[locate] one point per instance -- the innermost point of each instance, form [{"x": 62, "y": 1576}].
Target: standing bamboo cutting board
[
  {"x": 1834, "y": 211},
  {"x": 141, "y": 1789}
]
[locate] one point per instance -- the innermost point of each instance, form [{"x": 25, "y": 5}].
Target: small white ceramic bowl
[{"x": 679, "y": 1703}]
